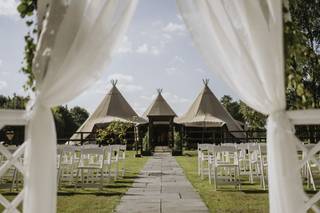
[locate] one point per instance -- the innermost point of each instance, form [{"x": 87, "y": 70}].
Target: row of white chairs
[
  {"x": 249, "y": 159},
  {"x": 227, "y": 162},
  {"x": 91, "y": 163},
  {"x": 88, "y": 162}
]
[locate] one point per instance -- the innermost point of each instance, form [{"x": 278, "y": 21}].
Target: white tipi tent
[
  {"x": 113, "y": 107},
  {"x": 207, "y": 111}
]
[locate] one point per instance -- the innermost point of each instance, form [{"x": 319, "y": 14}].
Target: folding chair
[
  {"x": 225, "y": 164},
  {"x": 91, "y": 164},
  {"x": 263, "y": 164},
  {"x": 203, "y": 157},
  {"x": 122, "y": 158},
  {"x": 67, "y": 164}
]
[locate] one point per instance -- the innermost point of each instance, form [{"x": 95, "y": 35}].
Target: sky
[{"x": 156, "y": 52}]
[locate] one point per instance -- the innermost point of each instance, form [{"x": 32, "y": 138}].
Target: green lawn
[
  {"x": 93, "y": 200},
  {"x": 250, "y": 199}
]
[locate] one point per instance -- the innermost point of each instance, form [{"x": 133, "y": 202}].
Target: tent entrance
[{"x": 161, "y": 135}]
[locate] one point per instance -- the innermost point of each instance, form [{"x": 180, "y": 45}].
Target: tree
[
  {"x": 302, "y": 37},
  {"x": 14, "y": 102},
  {"x": 79, "y": 115},
  {"x": 68, "y": 121},
  {"x": 233, "y": 107},
  {"x": 254, "y": 119},
  {"x": 26, "y": 9},
  {"x": 241, "y": 112}
]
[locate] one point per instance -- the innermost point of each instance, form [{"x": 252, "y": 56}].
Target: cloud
[
  {"x": 125, "y": 82},
  {"x": 121, "y": 77},
  {"x": 171, "y": 70},
  {"x": 130, "y": 87},
  {"x": 179, "y": 17},
  {"x": 173, "y": 27},
  {"x": 144, "y": 48},
  {"x": 8, "y": 8},
  {"x": 156, "y": 23},
  {"x": 199, "y": 70},
  {"x": 125, "y": 46},
  {"x": 178, "y": 59},
  {"x": 172, "y": 98},
  {"x": 155, "y": 50},
  {"x": 3, "y": 84}
]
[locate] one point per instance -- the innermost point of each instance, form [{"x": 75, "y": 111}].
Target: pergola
[{"x": 241, "y": 40}]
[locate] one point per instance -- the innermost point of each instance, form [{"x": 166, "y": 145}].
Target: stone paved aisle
[{"x": 161, "y": 188}]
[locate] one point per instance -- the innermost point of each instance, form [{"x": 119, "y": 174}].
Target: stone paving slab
[{"x": 161, "y": 188}]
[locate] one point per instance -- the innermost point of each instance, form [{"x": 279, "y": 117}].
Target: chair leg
[
  {"x": 209, "y": 172},
  {"x": 199, "y": 161},
  {"x": 123, "y": 167},
  {"x": 14, "y": 177},
  {"x": 76, "y": 179},
  {"x": 116, "y": 171},
  {"x": 82, "y": 178},
  {"x": 215, "y": 178},
  {"x": 101, "y": 179}
]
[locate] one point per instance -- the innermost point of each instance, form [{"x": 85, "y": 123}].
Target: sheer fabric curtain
[
  {"x": 75, "y": 45},
  {"x": 242, "y": 41}
]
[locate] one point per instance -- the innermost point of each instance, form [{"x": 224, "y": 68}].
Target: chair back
[{"x": 91, "y": 157}]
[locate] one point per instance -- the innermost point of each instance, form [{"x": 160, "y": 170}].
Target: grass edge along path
[{"x": 250, "y": 199}]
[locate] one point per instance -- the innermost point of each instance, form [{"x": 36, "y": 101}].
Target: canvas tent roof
[
  {"x": 113, "y": 107},
  {"x": 159, "y": 107},
  {"x": 207, "y": 111}
]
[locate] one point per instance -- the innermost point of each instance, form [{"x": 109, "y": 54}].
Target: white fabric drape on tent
[
  {"x": 242, "y": 41},
  {"x": 75, "y": 44}
]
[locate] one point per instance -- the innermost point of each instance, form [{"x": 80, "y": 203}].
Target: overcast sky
[{"x": 156, "y": 52}]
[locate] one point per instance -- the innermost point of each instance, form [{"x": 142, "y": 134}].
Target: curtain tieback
[{"x": 280, "y": 119}]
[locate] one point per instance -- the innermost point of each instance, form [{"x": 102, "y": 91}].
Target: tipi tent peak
[{"x": 159, "y": 107}]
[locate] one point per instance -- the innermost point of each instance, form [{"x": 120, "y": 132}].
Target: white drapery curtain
[
  {"x": 242, "y": 41},
  {"x": 75, "y": 45}
]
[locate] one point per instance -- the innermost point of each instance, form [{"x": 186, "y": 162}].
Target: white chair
[
  {"x": 225, "y": 165},
  {"x": 122, "y": 159},
  {"x": 243, "y": 159},
  {"x": 91, "y": 164},
  {"x": 254, "y": 161},
  {"x": 263, "y": 164},
  {"x": 203, "y": 158},
  {"x": 67, "y": 164}
]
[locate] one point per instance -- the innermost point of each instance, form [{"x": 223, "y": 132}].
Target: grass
[
  {"x": 93, "y": 200},
  {"x": 250, "y": 199}
]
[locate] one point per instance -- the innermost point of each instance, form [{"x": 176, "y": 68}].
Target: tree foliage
[
  {"x": 233, "y": 107},
  {"x": 241, "y": 112},
  {"x": 68, "y": 121},
  {"x": 27, "y": 9},
  {"x": 114, "y": 133},
  {"x": 14, "y": 102},
  {"x": 302, "y": 37}
]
